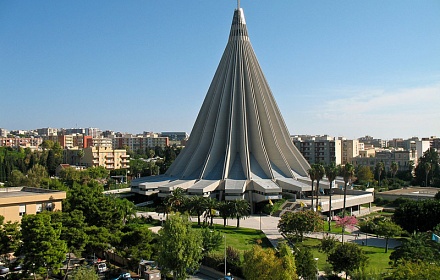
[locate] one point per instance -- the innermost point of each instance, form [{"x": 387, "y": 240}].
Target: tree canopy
[
  {"x": 179, "y": 246},
  {"x": 295, "y": 224}
]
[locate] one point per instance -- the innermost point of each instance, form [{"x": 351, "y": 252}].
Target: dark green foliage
[
  {"x": 418, "y": 248},
  {"x": 136, "y": 244},
  {"x": 179, "y": 247},
  {"x": 432, "y": 174},
  {"x": 305, "y": 264},
  {"x": 328, "y": 244},
  {"x": 418, "y": 216},
  {"x": 295, "y": 224},
  {"x": 42, "y": 248},
  {"x": 211, "y": 240},
  {"x": 347, "y": 257}
]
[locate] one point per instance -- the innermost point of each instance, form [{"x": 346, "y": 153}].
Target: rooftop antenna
[{"x": 238, "y": 4}]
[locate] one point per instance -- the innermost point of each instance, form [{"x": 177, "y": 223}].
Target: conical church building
[{"x": 239, "y": 146}]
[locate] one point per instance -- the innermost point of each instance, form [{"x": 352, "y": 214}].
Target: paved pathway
[{"x": 268, "y": 225}]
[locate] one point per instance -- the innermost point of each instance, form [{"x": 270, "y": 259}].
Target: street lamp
[
  {"x": 225, "y": 253},
  {"x": 317, "y": 271}
]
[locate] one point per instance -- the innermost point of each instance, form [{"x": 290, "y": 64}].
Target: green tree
[
  {"x": 328, "y": 244},
  {"x": 295, "y": 224},
  {"x": 364, "y": 174},
  {"x": 84, "y": 273},
  {"x": 73, "y": 232},
  {"x": 347, "y": 257},
  {"x": 388, "y": 229},
  {"x": 420, "y": 216},
  {"x": 427, "y": 171},
  {"x": 347, "y": 173},
  {"x": 17, "y": 179},
  {"x": 42, "y": 247},
  {"x": 240, "y": 210},
  {"x": 211, "y": 205},
  {"x": 380, "y": 167},
  {"x": 197, "y": 205},
  {"x": 305, "y": 263},
  {"x": 319, "y": 174},
  {"x": 393, "y": 169},
  {"x": 10, "y": 239},
  {"x": 211, "y": 240},
  {"x": 418, "y": 248},
  {"x": 262, "y": 263},
  {"x": 331, "y": 171},
  {"x": 179, "y": 247},
  {"x": 225, "y": 209},
  {"x": 416, "y": 271},
  {"x": 36, "y": 174},
  {"x": 312, "y": 175},
  {"x": 177, "y": 200},
  {"x": 98, "y": 172},
  {"x": 136, "y": 243}
]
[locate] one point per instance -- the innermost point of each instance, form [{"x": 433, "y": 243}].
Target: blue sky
[{"x": 342, "y": 68}]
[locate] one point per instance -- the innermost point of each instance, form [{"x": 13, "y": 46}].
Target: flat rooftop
[
  {"x": 24, "y": 191},
  {"x": 413, "y": 191}
]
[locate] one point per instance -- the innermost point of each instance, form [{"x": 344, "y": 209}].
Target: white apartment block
[
  {"x": 139, "y": 142},
  {"x": 350, "y": 149},
  {"x": 99, "y": 156},
  {"x": 4, "y": 132},
  {"x": 318, "y": 149},
  {"x": 400, "y": 156}
]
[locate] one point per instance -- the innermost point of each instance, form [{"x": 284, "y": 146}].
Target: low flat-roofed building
[
  {"x": 413, "y": 193},
  {"x": 18, "y": 201}
]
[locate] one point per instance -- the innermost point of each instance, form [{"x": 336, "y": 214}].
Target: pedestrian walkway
[{"x": 268, "y": 225}]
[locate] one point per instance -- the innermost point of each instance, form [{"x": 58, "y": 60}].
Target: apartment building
[
  {"x": 318, "y": 149},
  {"x": 370, "y": 141},
  {"x": 139, "y": 142},
  {"x": 4, "y": 132},
  {"x": 350, "y": 149},
  {"x": 28, "y": 142},
  {"x": 48, "y": 131},
  {"x": 109, "y": 158},
  {"x": 18, "y": 201},
  {"x": 400, "y": 156}
]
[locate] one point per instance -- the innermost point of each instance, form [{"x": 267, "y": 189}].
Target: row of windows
[{"x": 48, "y": 206}]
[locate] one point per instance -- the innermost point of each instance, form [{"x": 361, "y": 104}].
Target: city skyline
[{"x": 352, "y": 69}]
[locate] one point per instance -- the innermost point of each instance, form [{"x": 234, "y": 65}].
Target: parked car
[
  {"x": 124, "y": 276},
  {"x": 4, "y": 270},
  {"x": 102, "y": 267}
]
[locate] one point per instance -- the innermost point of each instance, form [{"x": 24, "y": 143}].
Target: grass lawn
[
  {"x": 378, "y": 259},
  {"x": 240, "y": 238}
]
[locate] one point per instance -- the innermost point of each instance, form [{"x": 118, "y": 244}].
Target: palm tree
[
  {"x": 347, "y": 173},
  {"x": 380, "y": 167},
  {"x": 312, "y": 175},
  {"x": 80, "y": 155},
  {"x": 211, "y": 205},
  {"x": 197, "y": 205},
  {"x": 393, "y": 168},
  {"x": 428, "y": 167},
  {"x": 225, "y": 209},
  {"x": 241, "y": 209},
  {"x": 331, "y": 171},
  {"x": 319, "y": 174},
  {"x": 177, "y": 199}
]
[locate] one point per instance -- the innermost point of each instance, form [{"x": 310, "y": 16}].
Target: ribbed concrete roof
[{"x": 239, "y": 134}]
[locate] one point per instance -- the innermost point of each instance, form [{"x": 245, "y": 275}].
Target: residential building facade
[
  {"x": 18, "y": 201},
  {"x": 318, "y": 149}
]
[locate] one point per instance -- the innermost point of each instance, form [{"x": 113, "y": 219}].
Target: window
[
  {"x": 22, "y": 210},
  {"x": 39, "y": 207},
  {"x": 49, "y": 206}
]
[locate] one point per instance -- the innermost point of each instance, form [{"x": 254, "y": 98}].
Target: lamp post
[
  {"x": 225, "y": 254},
  {"x": 317, "y": 271}
]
